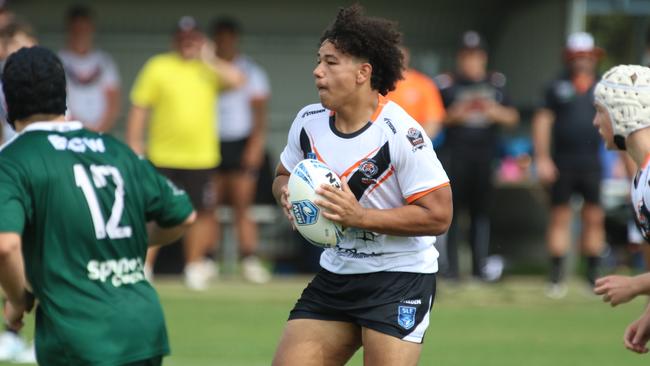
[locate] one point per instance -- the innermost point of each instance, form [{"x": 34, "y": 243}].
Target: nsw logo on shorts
[
  {"x": 406, "y": 316},
  {"x": 305, "y": 212}
]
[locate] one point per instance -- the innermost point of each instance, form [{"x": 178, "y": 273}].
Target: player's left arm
[
  {"x": 107, "y": 122},
  {"x": 428, "y": 215},
  {"x": 254, "y": 152},
  {"x": 12, "y": 279}
]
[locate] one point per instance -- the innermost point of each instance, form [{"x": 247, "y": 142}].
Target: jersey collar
[{"x": 54, "y": 126}]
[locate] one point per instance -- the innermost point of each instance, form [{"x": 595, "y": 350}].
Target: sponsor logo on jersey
[
  {"x": 309, "y": 113},
  {"x": 365, "y": 235},
  {"x": 119, "y": 272},
  {"x": 415, "y": 138},
  {"x": 406, "y": 316},
  {"x": 77, "y": 144},
  {"x": 412, "y": 302},
  {"x": 311, "y": 155},
  {"x": 305, "y": 212},
  {"x": 369, "y": 169},
  {"x": 390, "y": 125}
]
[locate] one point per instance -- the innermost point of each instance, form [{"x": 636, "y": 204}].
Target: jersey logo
[
  {"x": 305, "y": 212},
  {"x": 390, "y": 125},
  {"x": 77, "y": 144},
  {"x": 309, "y": 113},
  {"x": 369, "y": 169},
  {"x": 365, "y": 236},
  {"x": 311, "y": 155},
  {"x": 406, "y": 316},
  {"x": 415, "y": 138}
]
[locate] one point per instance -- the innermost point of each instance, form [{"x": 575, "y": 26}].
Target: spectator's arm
[
  {"x": 541, "y": 129},
  {"x": 107, "y": 122},
  {"x": 137, "y": 121},
  {"x": 501, "y": 114},
  {"x": 229, "y": 75},
  {"x": 162, "y": 236},
  {"x": 254, "y": 152}
]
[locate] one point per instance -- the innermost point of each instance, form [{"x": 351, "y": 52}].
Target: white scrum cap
[{"x": 624, "y": 91}]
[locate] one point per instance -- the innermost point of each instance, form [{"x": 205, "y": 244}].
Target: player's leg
[
  {"x": 481, "y": 193},
  {"x": 592, "y": 240},
  {"x": 311, "y": 342},
  {"x": 458, "y": 175},
  {"x": 200, "y": 237},
  {"x": 558, "y": 231},
  {"x": 244, "y": 185},
  {"x": 381, "y": 349}
]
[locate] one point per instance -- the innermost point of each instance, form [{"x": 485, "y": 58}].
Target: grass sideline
[{"x": 505, "y": 324}]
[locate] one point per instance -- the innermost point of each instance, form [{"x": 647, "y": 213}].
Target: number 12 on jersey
[{"x": 100, "y": 174}]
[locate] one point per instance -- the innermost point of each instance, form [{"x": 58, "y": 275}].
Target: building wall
[{"x": 283, "y": 37}]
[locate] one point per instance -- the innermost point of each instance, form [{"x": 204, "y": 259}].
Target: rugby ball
[{"x": 307, "y": 175}]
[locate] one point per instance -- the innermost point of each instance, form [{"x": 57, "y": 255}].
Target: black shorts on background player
[
  {"x": 231, "y": 156},
  {"x": 394, "y": 303},
  {"x": 582, "y": 176}
]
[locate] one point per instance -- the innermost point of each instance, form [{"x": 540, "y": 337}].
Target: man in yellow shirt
[{"x": 174, "y": 94}]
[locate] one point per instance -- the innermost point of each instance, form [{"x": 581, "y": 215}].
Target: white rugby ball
[{"x": 307, "y": 175}]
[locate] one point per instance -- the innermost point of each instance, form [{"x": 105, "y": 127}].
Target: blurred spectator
[
  {"x": 419, "y": 97},
  {"x": 476, "y": 105},
  {"x": 13, "y": 37},
  {"x": 176, "y": 93},
  {"x": 242, "y": 130},
  {"x": 568, "y": 160},
  {"x": 93, "y": 79}
]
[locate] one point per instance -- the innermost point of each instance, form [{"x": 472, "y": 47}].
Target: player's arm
[
  {"x": 281, "y": 191},
  {"x": 112, "y": 96},
  {"x": 159, "y": 235},
  {"x": 135, "y": 127},
  {"x": 12, "y": 279},
  {"x": 254, "y": 152},
  {"x": 617, "y": 289},
  {"x": 541, "y": 129},
  {"x": 428, "y": 215}
]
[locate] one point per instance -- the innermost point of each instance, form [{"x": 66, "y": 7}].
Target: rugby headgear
[{"x": 624, "y": 91}]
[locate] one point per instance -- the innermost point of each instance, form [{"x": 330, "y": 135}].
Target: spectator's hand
[
  {"x": 208, "y": 51},
  {"x": 286, "y": 205},
  {"x": 616, "y": 289},
  {"x": 637, "y": 334},
  {"x": 341, "y": 206},
  {"x": 546, "y": 170},
  {"x": 459, "y": 112}
]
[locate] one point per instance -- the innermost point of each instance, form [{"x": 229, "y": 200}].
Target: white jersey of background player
[{"x": 622, "y": 118}]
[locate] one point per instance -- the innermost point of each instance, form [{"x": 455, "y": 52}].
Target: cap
[
  {"x": 186, "y": 23},
  {"x": 472, "y": 40},
  {"x": 582, "y": 43}
]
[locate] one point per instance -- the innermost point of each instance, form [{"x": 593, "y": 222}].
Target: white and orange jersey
[
  {"x": 641, "y": 199},
  {"x": 388, "y": 163}
]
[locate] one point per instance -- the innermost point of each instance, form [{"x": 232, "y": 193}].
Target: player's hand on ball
[
  {"x": 286, "y": 205},
  {"x": 616, "y": 289},
  {"x": 637, "y": 334},
  {"x": 341, "y": 206}
]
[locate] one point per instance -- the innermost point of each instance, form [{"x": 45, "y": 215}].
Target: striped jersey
[
  {"x": 641, "y": 199},
  {"x": 388, "y": 163}
]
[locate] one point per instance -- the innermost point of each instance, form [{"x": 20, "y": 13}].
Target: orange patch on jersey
[
  {"x": 356, "y": 165},
  {"x": 416, "y": 196},
  {"x": 382, "y": 180}
]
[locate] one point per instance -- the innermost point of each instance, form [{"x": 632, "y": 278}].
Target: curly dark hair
[
  {"x": 373, "y": 39},
  {"x": 33, "y": 82}
]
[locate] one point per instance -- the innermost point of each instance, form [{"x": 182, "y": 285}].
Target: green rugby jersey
[{"x": 81, "y": 201}]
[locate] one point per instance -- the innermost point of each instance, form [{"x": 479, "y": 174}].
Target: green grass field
[{"x": 510, "y": 323}]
